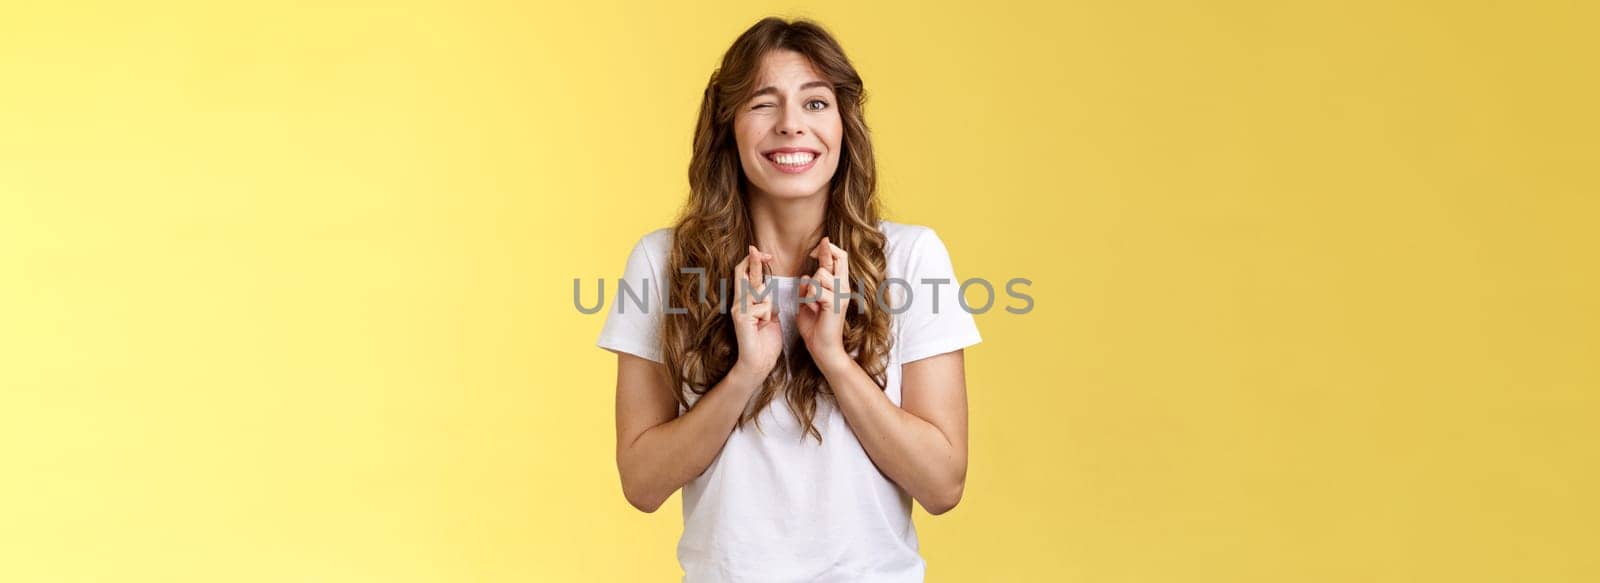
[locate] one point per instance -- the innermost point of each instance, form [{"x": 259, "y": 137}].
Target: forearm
[
  {"x": 911, "y": 451},
  {"x": 665, "y": 457}
]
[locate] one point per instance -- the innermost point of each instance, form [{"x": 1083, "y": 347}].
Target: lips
[
  {"x": 792, "y": 160},
  {"x": 790, "y": 150}
]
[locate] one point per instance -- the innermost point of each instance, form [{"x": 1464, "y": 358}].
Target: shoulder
[
  {"x": 658, "y": 242},
  {"x": 905, "y": 242},
  {"x": 900, "y": 236},
  {"x": 654, "y": 246}
]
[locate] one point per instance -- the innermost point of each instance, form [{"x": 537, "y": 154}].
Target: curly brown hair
[{"x": 714, "y": 228}]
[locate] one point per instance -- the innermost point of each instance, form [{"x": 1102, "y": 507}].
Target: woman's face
[{"x": 788, "y": 134}]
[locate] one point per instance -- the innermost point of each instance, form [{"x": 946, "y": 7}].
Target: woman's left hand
[{"x": 821, "y": 320}]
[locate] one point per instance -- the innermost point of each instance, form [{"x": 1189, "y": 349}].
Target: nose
[{"x": 789, "y": 124}]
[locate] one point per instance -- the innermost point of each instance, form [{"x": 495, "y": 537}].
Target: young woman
[{"x": 809, "y": 412}]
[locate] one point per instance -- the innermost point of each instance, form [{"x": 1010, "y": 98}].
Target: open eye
[{"x": 823, "y": 106}]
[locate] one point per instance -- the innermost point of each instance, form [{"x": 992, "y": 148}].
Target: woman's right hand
[{"x": 755, "y": 323}]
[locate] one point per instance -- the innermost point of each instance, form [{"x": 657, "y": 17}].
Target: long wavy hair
[{"x": 714, "y": 228}]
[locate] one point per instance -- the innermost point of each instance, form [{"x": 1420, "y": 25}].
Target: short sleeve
[
  {"x": 629, "y": 327},
  {"x": 933, "y": 321}
]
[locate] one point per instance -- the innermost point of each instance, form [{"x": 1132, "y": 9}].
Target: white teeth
[{"x": 795, "y": 159}]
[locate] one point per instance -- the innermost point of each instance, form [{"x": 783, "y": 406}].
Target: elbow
[
  {"x": 645, "y": 504},
  {"x": 945, "y": 501},
  {"x": 638, "y": 498},
  {"x": 636, "y": 493}
]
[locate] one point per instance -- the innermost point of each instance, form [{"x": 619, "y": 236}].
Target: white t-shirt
[{"x": 773, "y": 507}]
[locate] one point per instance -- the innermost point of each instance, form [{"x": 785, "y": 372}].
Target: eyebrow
[{"x": 770, "y": 90}]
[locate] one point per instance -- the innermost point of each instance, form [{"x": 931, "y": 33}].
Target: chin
[
  {"x": 795, "y": 192},
  {"x": 793, "y": 187}
]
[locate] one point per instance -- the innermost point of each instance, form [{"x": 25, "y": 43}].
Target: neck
[{"x": 787, "y": 228}]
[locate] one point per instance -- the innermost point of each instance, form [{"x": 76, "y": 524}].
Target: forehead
[{"x": 787, "y": 71}]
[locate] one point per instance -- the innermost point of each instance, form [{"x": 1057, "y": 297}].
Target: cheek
[
  {"x": 740, "y": 132},
  {"x": 834, "y": 136},
  {"x": 747, "y": 130}
]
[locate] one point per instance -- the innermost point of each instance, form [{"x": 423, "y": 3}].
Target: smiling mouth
[
  {"x": 792, "y": 162},
  {"x": 792, "y": 158}
]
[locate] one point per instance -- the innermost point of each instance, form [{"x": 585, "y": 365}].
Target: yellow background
[{"x": 285, "y": 288}]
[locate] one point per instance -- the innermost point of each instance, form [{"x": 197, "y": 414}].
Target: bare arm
[
  {"x": 922, "y": 444},
  {"x": 659, "y": 451}
]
